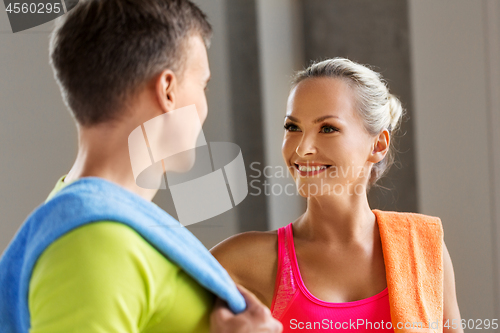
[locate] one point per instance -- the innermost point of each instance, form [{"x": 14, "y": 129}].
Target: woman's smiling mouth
[{"x": 308, "y": 170}]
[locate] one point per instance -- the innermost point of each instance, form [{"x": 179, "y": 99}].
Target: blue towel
[{"x": 94, "y": 199}]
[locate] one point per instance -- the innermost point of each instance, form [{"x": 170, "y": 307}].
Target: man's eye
[
  {"x": 291, "y": 128},
  {"x": 328, "y": 129}
]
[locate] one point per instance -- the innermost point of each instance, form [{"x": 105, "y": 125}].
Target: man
[{"x": 119, "y": 64}]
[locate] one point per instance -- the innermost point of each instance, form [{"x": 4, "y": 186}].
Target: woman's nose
[{"x": 306, "y": 146}]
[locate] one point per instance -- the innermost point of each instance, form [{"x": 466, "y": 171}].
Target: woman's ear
[
  {"x": 380, "y": 147},
  {"x": 166, "y": 88}
]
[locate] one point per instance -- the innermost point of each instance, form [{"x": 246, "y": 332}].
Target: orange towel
[{"x": 412, "y": 246}]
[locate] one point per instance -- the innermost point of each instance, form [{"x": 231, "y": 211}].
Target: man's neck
[{"x": 103, "y": 152}]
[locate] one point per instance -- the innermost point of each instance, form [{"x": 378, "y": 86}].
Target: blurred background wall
[{"x": 441, "y": 57}]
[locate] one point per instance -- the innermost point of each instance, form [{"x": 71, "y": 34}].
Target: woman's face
[{"x": 326, "y": 147}]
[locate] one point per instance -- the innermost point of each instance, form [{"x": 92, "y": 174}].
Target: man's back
[{"x": 105, "y": 277}]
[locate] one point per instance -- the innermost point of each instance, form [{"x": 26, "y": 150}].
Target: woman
[{"x": 328, "y": 265}]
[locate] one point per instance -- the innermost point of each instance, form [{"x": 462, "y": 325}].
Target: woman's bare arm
[{"x": 451, "y": 311}]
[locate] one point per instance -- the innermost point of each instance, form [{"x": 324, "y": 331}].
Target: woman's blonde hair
[{"x": 378, "y": 108}]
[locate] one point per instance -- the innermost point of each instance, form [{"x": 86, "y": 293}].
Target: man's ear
[
  {"x": 380, "y": 147},
  {"x": 166, "y": 89}
]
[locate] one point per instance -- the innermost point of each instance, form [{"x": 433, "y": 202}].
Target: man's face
[
  {"x": 194, "y": 80},
  {"x": 173, "y": 130},
  {"x": 181, "y": 127}
]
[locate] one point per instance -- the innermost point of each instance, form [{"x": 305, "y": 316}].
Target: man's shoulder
[
  {"x": 103, "y": 240},
  {"x": 60, "y": 184},
  {"x": 102, "y": 273},
  {"x": 101, "y": 256}
]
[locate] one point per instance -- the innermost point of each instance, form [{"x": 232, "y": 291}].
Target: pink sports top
[{"x": 297, "y": 309}]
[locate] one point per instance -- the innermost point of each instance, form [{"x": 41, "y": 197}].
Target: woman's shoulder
[
  {"x": 251, "y": 259},
  {"x": 250, "y": 245}
]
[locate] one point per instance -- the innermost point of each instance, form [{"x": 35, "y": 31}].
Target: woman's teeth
[{"x": 313, "y": 168}]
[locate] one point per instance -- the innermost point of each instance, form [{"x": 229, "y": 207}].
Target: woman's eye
[
  {"x": 291, "y": 128},
  {"x": 328, "y": 129}
]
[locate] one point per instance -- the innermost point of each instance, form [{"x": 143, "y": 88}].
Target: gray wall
[
  {"x": 455, "y": 58},
  {"x": 37, "y": 135},
  {"x": 246, "y": 101},
  {"x": 281, "y": 53}
]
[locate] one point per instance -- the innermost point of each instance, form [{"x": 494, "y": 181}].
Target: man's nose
[{"x": 307, "y": 146}]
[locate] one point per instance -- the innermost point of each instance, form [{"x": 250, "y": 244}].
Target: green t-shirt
[{"x": 104, "y": 277}]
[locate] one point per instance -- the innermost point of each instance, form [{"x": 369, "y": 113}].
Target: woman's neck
[{"x": 343, "y": 219}]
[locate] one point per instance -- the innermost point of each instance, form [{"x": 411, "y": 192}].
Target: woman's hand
[{"x": 256, "y": 318}]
